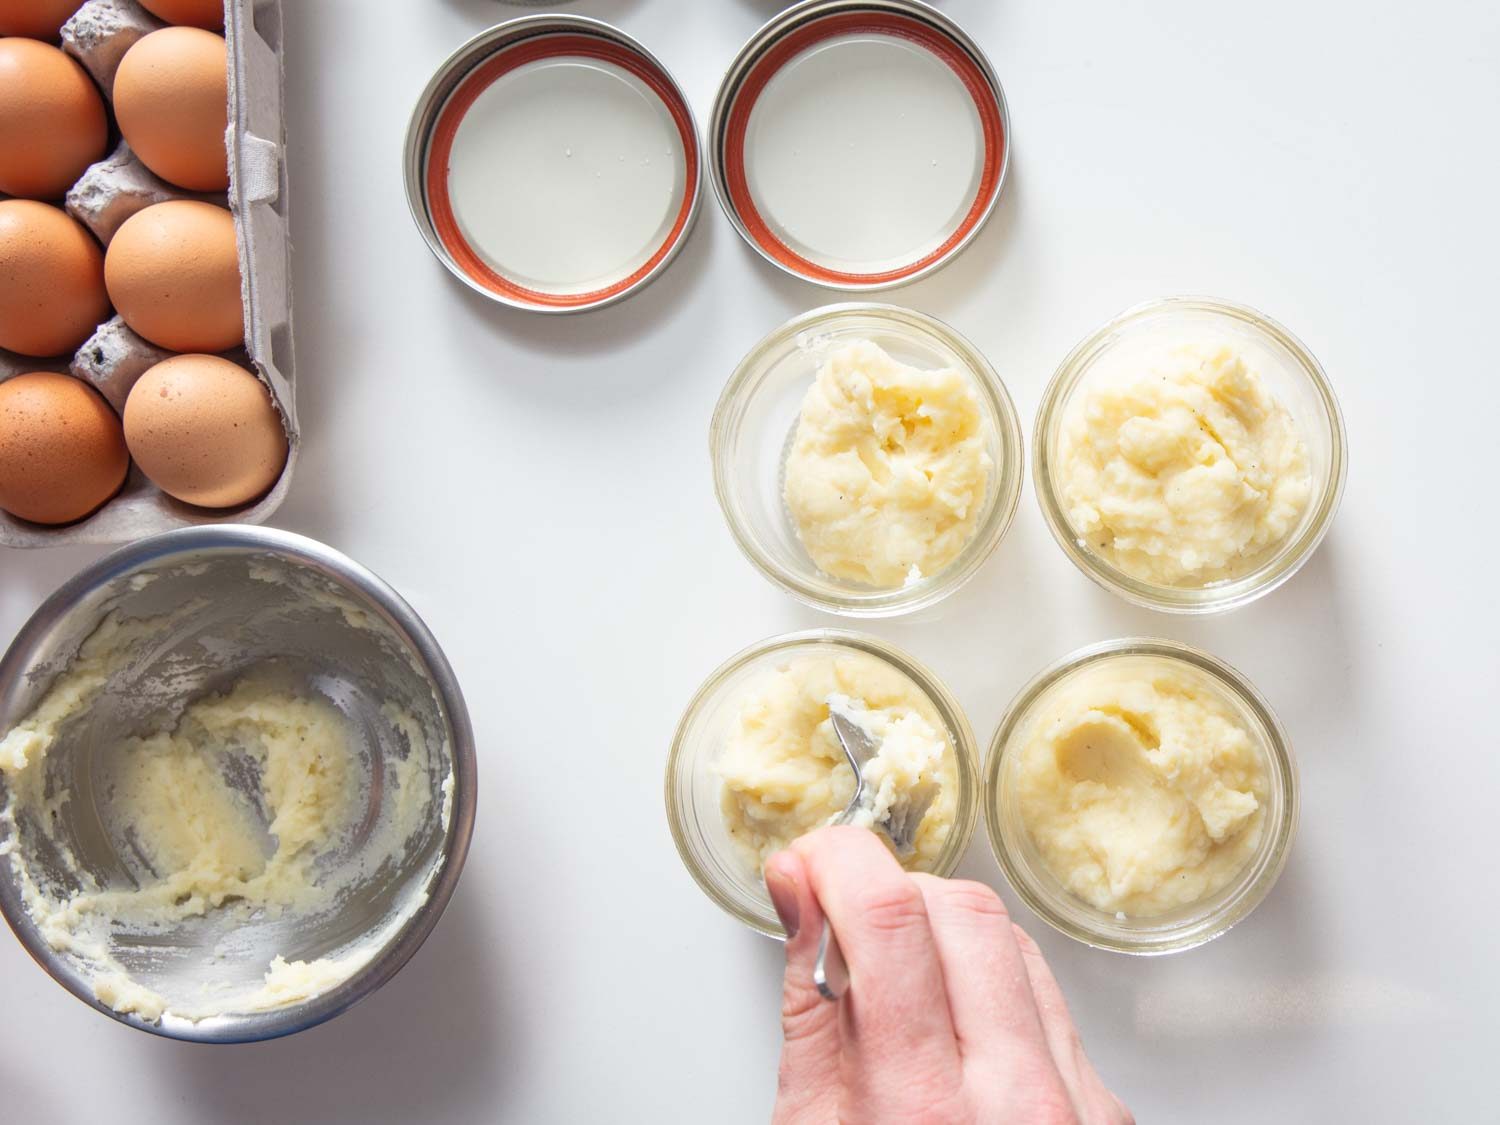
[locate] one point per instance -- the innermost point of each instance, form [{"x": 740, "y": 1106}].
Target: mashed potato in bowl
[
  {"x": 234, "y": 802},
  {"x": 1140, "y": 787},
  {"x": 888, "y": 473},
  {"x": 785, "y": 775},
  {"x": 227, "y": 782},
  {"x": 755, "y": 762},
  {"x": 1184, "y": 472}
]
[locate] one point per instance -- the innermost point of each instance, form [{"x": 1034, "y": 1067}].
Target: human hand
[{"x": 952, "y": 1015}]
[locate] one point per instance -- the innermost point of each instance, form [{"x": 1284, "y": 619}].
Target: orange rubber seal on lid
[
  {"x": 440, "y": 150},
  {"x": 853, "y": 23}
]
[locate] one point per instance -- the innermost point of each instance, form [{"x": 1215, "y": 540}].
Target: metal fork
[{"x": 831, "y": 973}]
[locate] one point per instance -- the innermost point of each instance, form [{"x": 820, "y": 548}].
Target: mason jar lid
[
  {"x": 552, "y": 164},
  {"x": 859, "y": 144}
]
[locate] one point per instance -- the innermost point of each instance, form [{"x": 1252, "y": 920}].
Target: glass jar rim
[
  {"x": 965, "y": 752},
  {"x": 1216, "y": 597},
  {"x": 1264, "y": 868},
  {"x": 1007, "y": 477}
]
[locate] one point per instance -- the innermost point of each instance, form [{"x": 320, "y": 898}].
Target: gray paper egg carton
[{"x": 115, "y": 188}]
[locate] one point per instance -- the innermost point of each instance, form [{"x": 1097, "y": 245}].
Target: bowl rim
[
  {"x": 1187, "y": 600},
  {"x": 1007, "y": 477},
  {"x": 257, "y": 1026}
]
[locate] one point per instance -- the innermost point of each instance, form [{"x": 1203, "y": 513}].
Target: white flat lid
[
  {"x": 861, "y": 148},
  {"x": 864, "y": 153},
  {"x": 562, "y": 180}
]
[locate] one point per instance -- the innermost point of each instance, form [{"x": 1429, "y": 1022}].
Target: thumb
[{"x": 808, "y": 1085}]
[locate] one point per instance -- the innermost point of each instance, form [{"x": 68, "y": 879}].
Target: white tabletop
[{"x": 539, "y": 489}]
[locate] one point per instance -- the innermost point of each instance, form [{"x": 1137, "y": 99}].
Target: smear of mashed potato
[
  {"x": 785, "y": 774},
  {"x": 229, "y": 805},
  {"x": 202, "y": 835},
  {"x": 1140, "y": 787},
  {"x": 1183, "y": 474},
  {"x": 888, "y": 471}
]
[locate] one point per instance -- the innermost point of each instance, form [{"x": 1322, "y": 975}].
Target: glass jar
[
  {"x": 756, "y": 419},
  {"x": 1289, "y": 371},
  {"x": 694, "y": 787},
  {"x": 1186, "y": 926}
]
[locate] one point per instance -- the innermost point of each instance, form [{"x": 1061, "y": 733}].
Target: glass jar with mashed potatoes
[
  {"x": 867, "y": 459},
  {"x": 755, "y": 762},
  {"x": 1141, "y": 796},
  {"x": 1189, "y": 455}
]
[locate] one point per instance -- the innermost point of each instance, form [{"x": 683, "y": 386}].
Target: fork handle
[{"x": 831, "y": 973}]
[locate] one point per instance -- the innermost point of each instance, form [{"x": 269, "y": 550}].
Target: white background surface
[{"x": 539, "y": 489}]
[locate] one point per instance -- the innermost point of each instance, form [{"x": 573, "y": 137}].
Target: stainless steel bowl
[{"x": 338, "y": 632}]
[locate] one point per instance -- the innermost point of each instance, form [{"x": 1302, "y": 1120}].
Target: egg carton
[{"x": 110, "y": 191}]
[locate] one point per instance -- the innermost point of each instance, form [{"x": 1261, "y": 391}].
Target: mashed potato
[
  {"x": 1183, "y": 474},
  {"x": 1140, "y": 786},
  {"x": 888, "y": 471},
  {"x": 235, "y": 803},
  {"x": 784, "y": 773}
]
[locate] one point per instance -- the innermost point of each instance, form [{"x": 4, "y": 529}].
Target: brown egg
[
  {"x": 205, "y": 431},
  {"x": 52, "y": 123},
  {"x": 40, "y": 19},
  {"x": 172, "y": 102},
  {"x": 194, "y": 13},
  {"x": 51, "y": 280},
  {"x": 173, "y": 273},
  {"x": 62, "y": 453}
]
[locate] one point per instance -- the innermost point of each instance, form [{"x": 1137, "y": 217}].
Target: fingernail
[{"x": 783, "y": 890}]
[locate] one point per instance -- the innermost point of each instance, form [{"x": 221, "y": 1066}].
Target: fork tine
[{"x": 903, "y": 821}]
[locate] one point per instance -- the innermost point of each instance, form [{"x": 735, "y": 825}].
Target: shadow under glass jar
[
  {"x": 1188, "y": 925},
  {"x": 694, "y": 787}
]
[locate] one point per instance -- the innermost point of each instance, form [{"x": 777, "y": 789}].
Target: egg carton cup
[{"x": 110, "y": 191}]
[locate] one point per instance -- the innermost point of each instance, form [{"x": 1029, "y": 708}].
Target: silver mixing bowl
[{"x": 338, "y": 632}]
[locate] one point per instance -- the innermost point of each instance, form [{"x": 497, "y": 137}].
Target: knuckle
[
  {"x": 977, "y": 899},
  {"x": 803, "y": 1025},
  {"x": 891, "y": 908},
  {"x": 801, "y": 1012}
]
